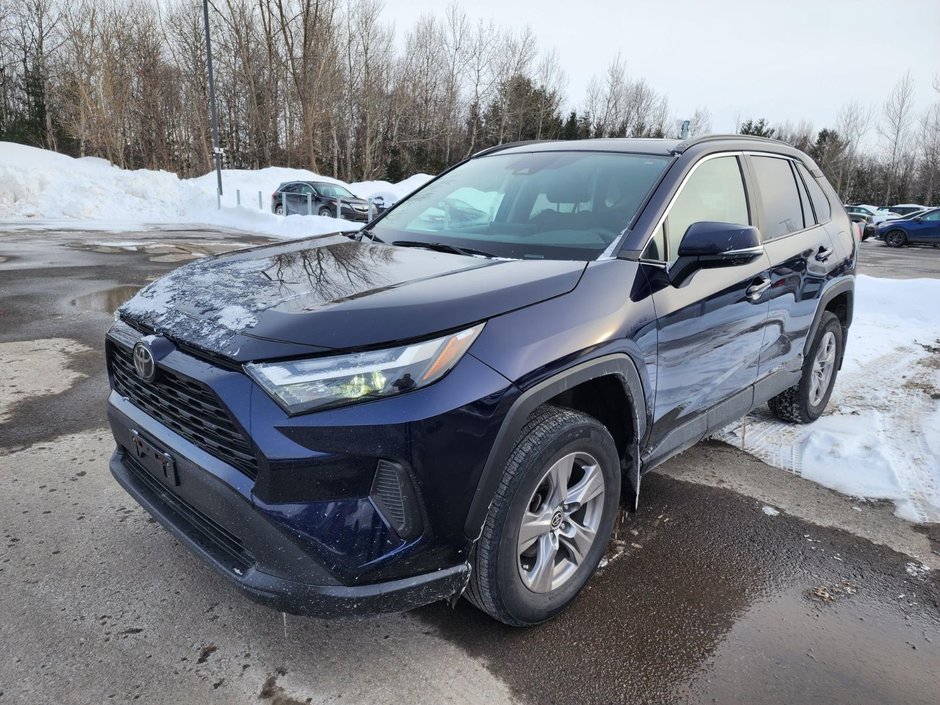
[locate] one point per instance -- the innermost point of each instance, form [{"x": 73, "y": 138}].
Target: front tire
[
  {"x": 805, "y": 402},
  {"x": 325, "y": 212},
  {"x": 550, "y": 521},
  {"x": 895, "y": 238}
]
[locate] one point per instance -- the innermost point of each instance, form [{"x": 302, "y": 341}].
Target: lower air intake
[{"x": 393, "y": 494}]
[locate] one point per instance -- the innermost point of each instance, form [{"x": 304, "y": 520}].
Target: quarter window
[
  {"x": 820, "y": 202},
  {"x": 714, "y": 192},
  {"x": 782, "y": 211}
]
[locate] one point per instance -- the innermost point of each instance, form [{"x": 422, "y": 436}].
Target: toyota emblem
[{"x": 144, "y": 363}]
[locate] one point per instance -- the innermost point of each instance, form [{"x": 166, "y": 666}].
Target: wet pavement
[{"x": 710, "y": 595}]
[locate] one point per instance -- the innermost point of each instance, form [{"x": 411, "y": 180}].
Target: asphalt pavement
[{"x": 735, "y": 582}]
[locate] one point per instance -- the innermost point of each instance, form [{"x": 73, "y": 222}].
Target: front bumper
[{"x": 295, "y": 584}]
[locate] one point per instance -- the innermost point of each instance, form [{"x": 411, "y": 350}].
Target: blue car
[
  {"x": 457, "y": 399},
  {"x": 922, "y": 228}
]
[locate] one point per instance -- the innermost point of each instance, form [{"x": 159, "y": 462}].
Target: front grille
[
  {"x": 226, "y": 547},
  {"x": 187, "y": 407}
]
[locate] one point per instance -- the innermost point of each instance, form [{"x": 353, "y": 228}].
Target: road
[{"x": 734, "y": 582}]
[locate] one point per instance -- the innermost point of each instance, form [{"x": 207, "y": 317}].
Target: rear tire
[
  {"x": 540, "y": 544},
  {"x": 895, "y": 238},
  {"x": 805, "y": 402},
  {"x": 279, "y": 209}
]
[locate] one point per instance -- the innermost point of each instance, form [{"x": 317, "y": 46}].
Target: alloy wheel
[
  {"x": 823, "y": 366},
  {"x": 561, "y": 521}
]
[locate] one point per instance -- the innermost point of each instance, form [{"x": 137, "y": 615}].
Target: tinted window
[
  {"x": 334, "y": 191},
  {"x": 808, "y": 218},
  {"x": 714, "y": 191},
  {"x": 820, "y": 202},
  {"x": 555, "y": 205},
  {"x": 933, "y": 215},
  {"x": 783, "y": 213}
]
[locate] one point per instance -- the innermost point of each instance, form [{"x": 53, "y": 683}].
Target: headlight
[{"x": 304, "y": 385}]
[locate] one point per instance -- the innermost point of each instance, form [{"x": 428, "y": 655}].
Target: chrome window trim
[{"x": 662, "y": 218}]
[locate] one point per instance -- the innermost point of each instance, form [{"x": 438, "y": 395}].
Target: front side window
[
  {"x": 932, "y": 216},
  {"x": 539, "y": 205},
  {"x": 783, "y": 213},
  {"x": 714, "y": 192}
]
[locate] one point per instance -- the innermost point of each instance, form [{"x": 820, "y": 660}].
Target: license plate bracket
[{"x": 157, "y": 462}]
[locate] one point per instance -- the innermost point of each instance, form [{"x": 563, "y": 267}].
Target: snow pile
[
  {"x": 46, "y": 189},
  {"x": 880, "y": 437}
]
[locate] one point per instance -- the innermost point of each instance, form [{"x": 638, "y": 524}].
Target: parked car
[
  {"x": 861, "y": 211},
  {"x": 441, "y": 406},
  {"x": 318, "y": 197},
  {"x": 901, "y": 210},
  {"x": 922, "y": 227},
  {"x": 862, "y": 216}
]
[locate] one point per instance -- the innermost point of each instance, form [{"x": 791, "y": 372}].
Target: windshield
[
  {"x": 542, "y": 205},
  {"x": 334, "y": 191}
]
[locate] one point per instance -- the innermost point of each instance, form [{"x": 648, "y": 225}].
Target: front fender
[{"x": 618, "y": 365}]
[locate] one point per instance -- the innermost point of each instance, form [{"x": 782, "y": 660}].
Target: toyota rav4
[{"x": 456, "y": 399}]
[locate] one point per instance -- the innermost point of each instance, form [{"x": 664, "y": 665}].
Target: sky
[{"x": 787, "y": 60}]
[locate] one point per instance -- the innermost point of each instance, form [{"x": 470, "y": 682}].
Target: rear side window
[
  {"x": 818, "y": 196},
  {"x": 783, "y": 213},
  {"x": 715, "y": 192}
]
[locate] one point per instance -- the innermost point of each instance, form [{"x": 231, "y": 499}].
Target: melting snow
[{"x": 880, "y": 437}]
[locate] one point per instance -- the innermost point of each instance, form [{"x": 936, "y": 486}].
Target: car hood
[{"x": 332, "y": 293}]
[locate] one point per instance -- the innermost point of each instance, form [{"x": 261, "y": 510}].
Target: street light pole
[{"x": 217, "y": 153}]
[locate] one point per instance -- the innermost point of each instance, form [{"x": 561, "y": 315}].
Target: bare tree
[{"x": 897, "y": 115}]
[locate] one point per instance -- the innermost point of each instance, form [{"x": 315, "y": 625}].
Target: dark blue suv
[{"x": 456, "y": 399}]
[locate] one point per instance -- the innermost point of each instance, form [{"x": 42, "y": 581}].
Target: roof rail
[
  {"x": 686, "y": 144},
  {"x": 506, "y": 145}
]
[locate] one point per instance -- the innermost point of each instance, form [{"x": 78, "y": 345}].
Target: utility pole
[{"x": 217, "y": 153}]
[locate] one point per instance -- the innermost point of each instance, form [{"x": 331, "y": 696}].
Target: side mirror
[
  {"x": 917, "y": 218},
  {"x": 708, "y": 244},
  {"x": 378, "y": 202}
]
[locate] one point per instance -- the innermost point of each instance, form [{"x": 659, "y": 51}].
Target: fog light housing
[{"x": 394, "y": 496}]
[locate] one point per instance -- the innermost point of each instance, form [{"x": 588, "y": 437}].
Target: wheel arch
[
  {"x": 611, "y": 374},
  {"x": 840, "y": 300}
]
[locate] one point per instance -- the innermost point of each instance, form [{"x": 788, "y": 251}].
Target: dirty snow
[
  {"x": 880, "y": 436},
  {"x": 40, "y": 188}
]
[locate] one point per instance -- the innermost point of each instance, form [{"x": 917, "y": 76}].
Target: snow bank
[
  {"x": 43, "y": 188},
  {"x": 880, "y": 437}
]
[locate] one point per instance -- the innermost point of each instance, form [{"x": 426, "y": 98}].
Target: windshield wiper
[
  {"x": 444, "y": 247},
  {"x": 361, "y": 233}
]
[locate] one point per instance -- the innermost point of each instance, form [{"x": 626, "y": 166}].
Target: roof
[
  {"x": 630, "y": 145},
  {"x": 641, "y": 145}
]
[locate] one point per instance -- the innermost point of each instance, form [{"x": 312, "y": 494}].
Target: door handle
[
  {"x": 758, "y": 287},
  {"x": 823, "y": 253}
]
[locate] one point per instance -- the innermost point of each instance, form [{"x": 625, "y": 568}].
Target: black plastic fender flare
[
  {"x": 618, "y": 365},
  {"x": 841, "y": 286}
]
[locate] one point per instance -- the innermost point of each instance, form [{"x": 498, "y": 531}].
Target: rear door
[
  {"x": 710, "y": 328},
  {"x": 792, "y": 213}
]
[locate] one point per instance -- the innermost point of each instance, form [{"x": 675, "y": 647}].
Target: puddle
[
  {"x": 181, "y": 257},
  {"x": 108, "y": 300},
  {"x": 36, "y": 368}
]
